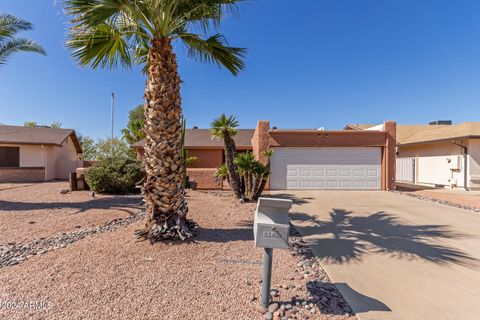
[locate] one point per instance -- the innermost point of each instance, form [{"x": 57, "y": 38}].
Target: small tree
[
  {"x": 254, "y": 175},
  {"x": 134, "y": 130},
  {"x": 108, "y": 148},
  {"x": 246, "y": 175},
  {"x": 30, "y": 124},
  {"x": 88, "y": 147},
  {"x": 56, "y": 125},
  {"x": 224, "y": 128}
]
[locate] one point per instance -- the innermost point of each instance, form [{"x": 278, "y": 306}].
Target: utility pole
[{"x": 113, "y": 111}]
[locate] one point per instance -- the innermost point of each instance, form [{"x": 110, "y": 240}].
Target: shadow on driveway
[{"x": 350, "y": 237}]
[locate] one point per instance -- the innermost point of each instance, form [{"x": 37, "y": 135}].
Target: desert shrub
[{"x": 115, "y": 176}]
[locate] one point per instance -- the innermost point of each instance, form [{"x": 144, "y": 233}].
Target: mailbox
[{"x": 271, "y": 225}]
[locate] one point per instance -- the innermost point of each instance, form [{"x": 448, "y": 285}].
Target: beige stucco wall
[
  {"x": 65, "y": 159},
  {"x": 474, "y": 163},
  {"x": 30, "y": 155},
  {"x": 434, "y": 162},
  {"x": 50, "y": 170},
  {"x": 58, "y": 161},
  {"x": 429, "y": 149}
]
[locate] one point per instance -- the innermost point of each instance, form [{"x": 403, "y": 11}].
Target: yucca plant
[
  {"x": 9, "y": 43},
  {"x": 253, "y": 175},
  {"x": 224, "y": 129},
  {"x": 108, "y": 33}
]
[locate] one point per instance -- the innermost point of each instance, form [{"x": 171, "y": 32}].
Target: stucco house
[
  {"x": 439, "y": 154},
  {"x": 31, "y": 154},
  {"x": 303, "y": 159}
]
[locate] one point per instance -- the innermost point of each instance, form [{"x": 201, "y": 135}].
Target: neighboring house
[
  {"x": 439, "y": 154},
  {"x": 31, "y": 154},
  {"x": 304, "y": 159}
]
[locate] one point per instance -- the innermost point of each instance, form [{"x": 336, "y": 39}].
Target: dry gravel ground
[
  {"x": 456, "y": 197},
  {"x": 29, "y": 212},
  {"x": 113, "y": 276}
]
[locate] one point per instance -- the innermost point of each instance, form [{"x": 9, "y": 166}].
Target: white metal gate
[{"x": 406, "y": 170}]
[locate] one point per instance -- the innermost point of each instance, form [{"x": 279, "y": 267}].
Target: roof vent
[
  {"x": 441, "y": 122},
  {"x": 195, "y": 127}
]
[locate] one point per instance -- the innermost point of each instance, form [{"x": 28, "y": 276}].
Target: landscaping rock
[
  {"x": 260, "y": 309},
  {"x": 14, "y": 253},
  {"x": 273, "y": 307}
]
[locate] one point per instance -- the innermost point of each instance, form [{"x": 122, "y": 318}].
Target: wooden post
[{"x": 73, "y": 181}]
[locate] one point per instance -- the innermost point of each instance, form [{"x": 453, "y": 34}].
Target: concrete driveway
[{"x": 393, "y": 256}]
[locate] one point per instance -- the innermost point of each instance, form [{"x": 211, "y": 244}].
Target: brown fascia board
[
  {"x": 214, "y": 147},
  {"x": 76, "y": 142},
  {"x": 204, "y": 147},
  {"x": 437, "y": 141},
  {"x": 31, "y": 143},
  {"x": 320, "y": 132}
]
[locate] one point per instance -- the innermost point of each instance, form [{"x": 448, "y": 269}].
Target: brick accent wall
[
  {"x": 390, "y": 128},
  {"x": 260, "y": 140},
  {"x": 22, "y": 174},
  {"x": 204, "y": 177},
  {"x": 207, "y": 158}
]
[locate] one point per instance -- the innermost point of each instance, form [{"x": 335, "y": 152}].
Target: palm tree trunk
[
  {"x": 233, "y": 177},
  {"x": 261, "y": 188},
  {"x": 163, "y": 188}
]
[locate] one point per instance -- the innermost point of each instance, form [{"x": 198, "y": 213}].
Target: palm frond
[
  {"x": 222, "y": 126},
  {"x": 215, "y": 49},
  {"x": 10, "y": 25},
  {"x": 103, "y": 46},
  {"x": 7, "y": 48}
]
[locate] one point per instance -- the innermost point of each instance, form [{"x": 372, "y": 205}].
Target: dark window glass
[{"x": 9, "y": 156}]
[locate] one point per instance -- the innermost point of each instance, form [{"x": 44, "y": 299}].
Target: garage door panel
[{"x": 326, "y": 168}]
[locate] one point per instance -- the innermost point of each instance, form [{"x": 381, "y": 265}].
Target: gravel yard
[
  {"x": 111, "y": 275},
  {"x": 33, "y": 211}
]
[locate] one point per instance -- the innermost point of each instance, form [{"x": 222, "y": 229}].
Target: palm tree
[
  {"x": 133, "y": 132},
  {"x": 9, "y": 44},
  {"x": 253, "y": 174},
  {"x": 224, "y": 128},
  {"x": 108, "y": 33}
]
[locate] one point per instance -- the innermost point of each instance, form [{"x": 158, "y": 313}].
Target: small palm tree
[
  {"x": 9, "y": 44},
  {"x": 108, "y": 33},
  {"x": 224, "y": 128},
  {"x": 134, "y": 131},
  {"x": 253, "y": 175}
]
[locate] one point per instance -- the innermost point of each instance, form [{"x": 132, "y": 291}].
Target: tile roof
[
  {"x": 421, "y": 133},
  {"x": 37, "y": 135},
  {"x": 202, "y": 138},
  {"x": 410, "y": 134}
]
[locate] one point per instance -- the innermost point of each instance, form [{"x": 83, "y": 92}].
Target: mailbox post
[{"x": 271, "y": 228}]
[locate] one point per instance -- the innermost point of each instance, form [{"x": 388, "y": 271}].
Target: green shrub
[{"x": 115, "y": 176}]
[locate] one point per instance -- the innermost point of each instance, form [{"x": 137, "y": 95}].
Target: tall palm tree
[
  {"x": 108, "y": 33},
  {"x": 9, "y": 44},
  {"x": 224, "y": 128}
]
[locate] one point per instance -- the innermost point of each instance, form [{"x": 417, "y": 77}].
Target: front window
[{"x": 9, "y": 156}]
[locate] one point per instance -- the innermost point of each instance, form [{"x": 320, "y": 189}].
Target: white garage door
[{"x": 326, "y": 168}]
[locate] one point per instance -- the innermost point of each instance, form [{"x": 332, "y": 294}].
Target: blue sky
[{"x": 311, "y": 63}]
